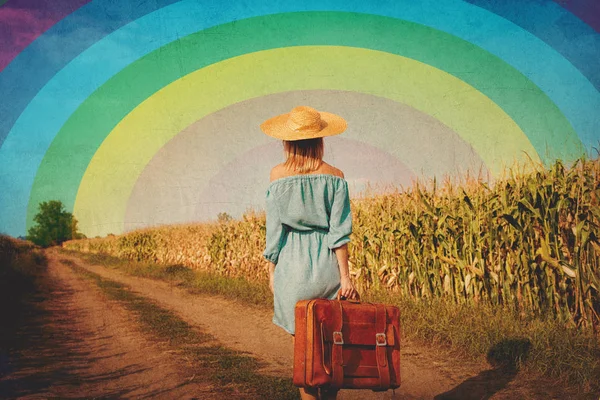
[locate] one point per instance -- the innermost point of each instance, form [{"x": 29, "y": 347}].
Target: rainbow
[{"x": 134, "y": 116}]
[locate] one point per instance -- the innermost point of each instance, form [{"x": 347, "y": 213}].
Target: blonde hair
[{"x": 303, "y": 155}]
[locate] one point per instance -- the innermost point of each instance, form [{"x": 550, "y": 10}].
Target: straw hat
[{"x": 304, "y": 122}]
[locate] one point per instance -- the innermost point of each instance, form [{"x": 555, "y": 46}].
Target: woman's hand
[{"x": 348, "y": 290}]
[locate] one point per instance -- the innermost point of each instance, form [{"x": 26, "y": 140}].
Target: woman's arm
[
  {"x": 342, "y": 256},
  {"x": 274, "y": 230},
  {"x": 271, "y": 276},
  {"x": 347, "y": 290}
]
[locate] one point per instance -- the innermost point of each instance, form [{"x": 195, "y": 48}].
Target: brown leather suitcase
[{"x": 346, "y": 344}]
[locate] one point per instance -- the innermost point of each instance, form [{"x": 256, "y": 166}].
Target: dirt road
[
  {"x": 83, "y": 345},
  {"x": 77, "y": 344}
]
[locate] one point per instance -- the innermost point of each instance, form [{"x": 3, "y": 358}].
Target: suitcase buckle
[
  {"x": 380, "y": 339},
  {"x": 338, "y": 338}
]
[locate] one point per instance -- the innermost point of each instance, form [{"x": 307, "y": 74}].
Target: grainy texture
[
  {"x": 426, "y": 372},
  {"x": 530, "y": 243},
  {"x": 74, "y": 342}
]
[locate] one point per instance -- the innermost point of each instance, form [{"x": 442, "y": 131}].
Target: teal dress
[{"x": 307, "y": 217}]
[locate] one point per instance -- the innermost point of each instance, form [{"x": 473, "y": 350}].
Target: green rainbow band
[
  {"x": 117, "y": 164},
  {"x": 59, "y": 177}
]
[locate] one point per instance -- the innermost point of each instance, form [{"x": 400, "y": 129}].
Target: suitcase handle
[{"x": 340, "y": 297}]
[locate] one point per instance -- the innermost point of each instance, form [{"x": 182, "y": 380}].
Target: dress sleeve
[
  {"x": 340, "y": 220},
  {"x": 275, "y": 230}
]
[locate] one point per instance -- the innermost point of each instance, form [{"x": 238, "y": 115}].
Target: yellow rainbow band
[{"x": 117, "y": 164}]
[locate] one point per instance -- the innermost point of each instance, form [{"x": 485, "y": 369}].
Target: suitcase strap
[
  {"x": 337, "y": 359},
  {"x": 381, "y": 346}
]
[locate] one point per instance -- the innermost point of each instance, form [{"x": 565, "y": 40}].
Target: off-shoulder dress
[{"x": 307, "y": 217}]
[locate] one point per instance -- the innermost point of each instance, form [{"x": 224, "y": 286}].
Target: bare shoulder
[
  {"x": 277, "y": 172},
  {"x": 330, "y": 169}
]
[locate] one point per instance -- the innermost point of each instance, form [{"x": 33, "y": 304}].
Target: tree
[
  {"x": 54, "y": 225},
  {"x": 224, "y": 218}
]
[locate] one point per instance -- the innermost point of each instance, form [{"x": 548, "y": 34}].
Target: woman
[{"x": 308, "y": 219}]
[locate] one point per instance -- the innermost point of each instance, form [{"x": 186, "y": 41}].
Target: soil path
[
  {"x": 76, "y": 344},
  {"x": 249, "y": 329}
]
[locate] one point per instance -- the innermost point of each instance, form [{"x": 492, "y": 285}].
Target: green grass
[
  {"x": 474, "y": 332},
  {"x": 503, "y": 338},
  {"x": 231, "y": 372}
]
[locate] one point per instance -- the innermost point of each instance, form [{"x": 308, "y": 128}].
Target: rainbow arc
[{"x": 89, "y": 119}]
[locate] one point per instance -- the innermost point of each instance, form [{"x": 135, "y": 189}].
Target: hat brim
[{"x": 331, "y": 124}]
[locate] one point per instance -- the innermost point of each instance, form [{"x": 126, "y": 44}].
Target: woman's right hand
[{"x": 348, "y": 290}]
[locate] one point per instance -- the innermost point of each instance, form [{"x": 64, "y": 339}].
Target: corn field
[{"x": 530, "y": 242}]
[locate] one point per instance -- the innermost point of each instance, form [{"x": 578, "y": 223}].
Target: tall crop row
[
  {"x": 530, "y": 242},
  {"x": 178, "y": 244}
]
